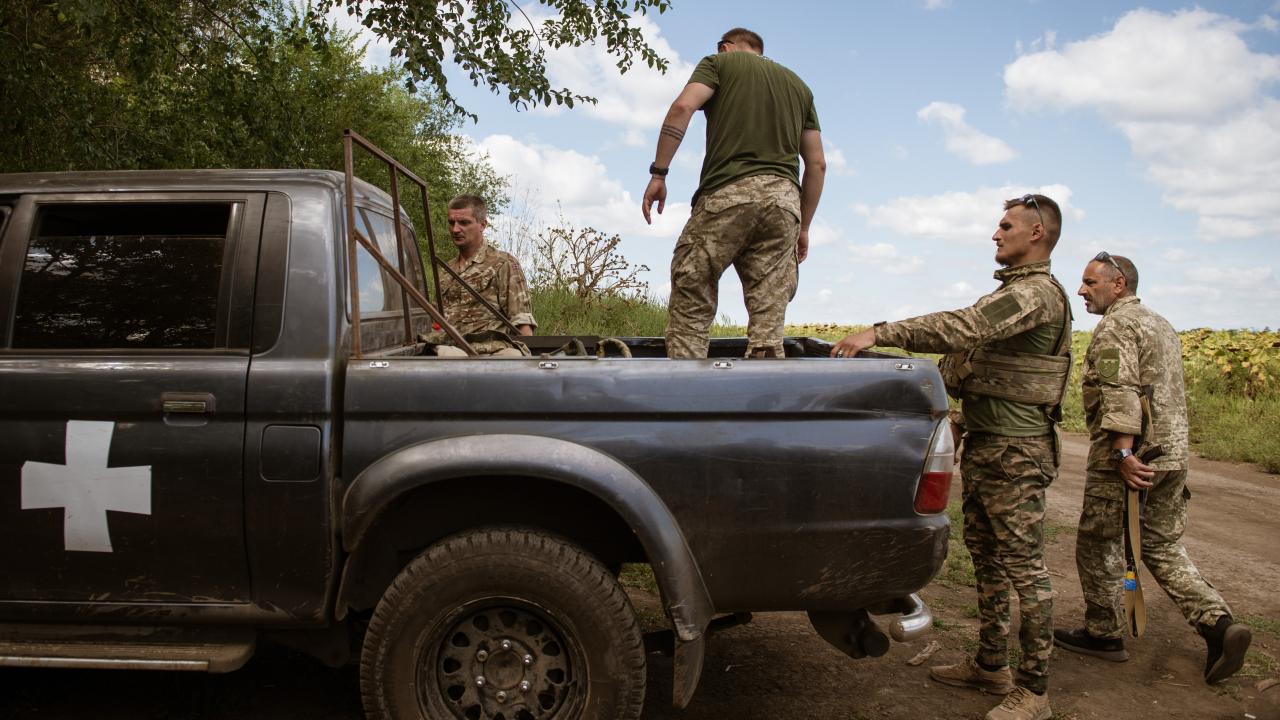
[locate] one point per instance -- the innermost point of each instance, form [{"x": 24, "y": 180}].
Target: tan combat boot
[
  {"x": 1022, "y": 704},
  {"x": 971, "y": 675}
]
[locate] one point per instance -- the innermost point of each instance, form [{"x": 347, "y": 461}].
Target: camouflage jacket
[
  {"x": 1134, "y": 349},
  {"x": 1024, "y": 314},
  {"x": 497, "y": 276}
]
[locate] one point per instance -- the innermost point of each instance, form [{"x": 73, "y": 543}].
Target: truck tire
[{"x": 503, "y": 623}]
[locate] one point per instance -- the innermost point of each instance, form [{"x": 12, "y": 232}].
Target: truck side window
[
  {"x": 373, "y": 287},
  {"x": 114, "y": 275},
  {"x": 378, "y": 290}
]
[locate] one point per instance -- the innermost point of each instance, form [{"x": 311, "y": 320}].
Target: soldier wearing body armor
[
  {"x": 1008, "y": 361},
  {"x": 1135, "y": 398}
]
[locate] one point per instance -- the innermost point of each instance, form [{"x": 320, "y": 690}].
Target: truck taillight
[{"x": 935, "y": 481}]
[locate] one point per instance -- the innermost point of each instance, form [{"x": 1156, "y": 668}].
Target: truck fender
[{"x": 587, "y": 469}]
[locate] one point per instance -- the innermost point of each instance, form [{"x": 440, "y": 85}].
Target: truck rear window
[{"x": 116, "y": 275}]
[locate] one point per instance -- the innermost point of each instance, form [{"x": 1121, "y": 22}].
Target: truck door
[{"x": 124, "y": 350}]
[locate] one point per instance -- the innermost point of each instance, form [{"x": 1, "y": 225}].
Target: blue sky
[{"x": 1156, "y": 126}]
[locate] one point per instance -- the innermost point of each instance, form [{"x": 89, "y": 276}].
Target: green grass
[
  {"x": 638, "y": 575},
  {"x": 958, "y": 569},
  {"x": 1235, "y": 428},
  {"x": 1052, "y": 530},
  {"x": 1261, "y": 624},
  {"x": 1258, "y": 664},
  {"x": 560, "y": 312}
]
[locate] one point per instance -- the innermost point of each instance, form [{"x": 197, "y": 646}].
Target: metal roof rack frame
[{"x": 350, "y": 139}]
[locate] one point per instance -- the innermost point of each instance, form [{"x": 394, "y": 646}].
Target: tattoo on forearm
[{"x": 673, "y": 132}]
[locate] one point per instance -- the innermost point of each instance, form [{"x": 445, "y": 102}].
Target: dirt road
[{"x": 777, "y": 667}]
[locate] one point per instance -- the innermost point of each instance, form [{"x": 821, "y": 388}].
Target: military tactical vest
[{"x": 1029, "y": 378}]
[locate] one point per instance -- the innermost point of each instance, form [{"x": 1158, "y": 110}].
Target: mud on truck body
[{"x": 218, "y": 426}]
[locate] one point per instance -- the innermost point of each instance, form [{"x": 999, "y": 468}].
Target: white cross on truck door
[{"x": 86, "y": 488}]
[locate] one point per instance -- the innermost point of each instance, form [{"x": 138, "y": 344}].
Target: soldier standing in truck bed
[
  {"x": 1008, "y": 363},
  {"x": 753, "y": 206}
]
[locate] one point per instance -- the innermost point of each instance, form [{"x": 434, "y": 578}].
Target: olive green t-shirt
[{"x": 754, "y": 119}]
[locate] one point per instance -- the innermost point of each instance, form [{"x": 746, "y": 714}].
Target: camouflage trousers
[
  {"x": 1100, "y": 552},
  {"x": 1005, "y": 479},
  {"x": 752, "y": 224}
]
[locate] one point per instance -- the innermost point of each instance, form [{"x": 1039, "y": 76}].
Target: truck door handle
[{"x": 189, "y": 403}]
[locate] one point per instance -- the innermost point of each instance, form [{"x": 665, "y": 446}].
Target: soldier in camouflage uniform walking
[
  {"x": 1008, "y": 362},
  {"x": 495, "y": 274},
  {"x": 1136, "y": 353},
  {"x": 752, "y": 209}
]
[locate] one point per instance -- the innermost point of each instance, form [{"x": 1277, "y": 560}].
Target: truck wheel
[{"x": 509, "y": 624}]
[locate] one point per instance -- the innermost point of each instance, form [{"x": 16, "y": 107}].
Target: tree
[
  {"x": 119, "y": 84},
  {"x": 585, "y": 262},
  {"x": 498, "y": 50}
]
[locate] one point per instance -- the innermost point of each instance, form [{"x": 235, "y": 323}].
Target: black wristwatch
[
  {"x": 1120, "y": 454},
  {"x": 660, "y": 172}
]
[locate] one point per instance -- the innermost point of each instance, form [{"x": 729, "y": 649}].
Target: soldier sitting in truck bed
[{"x": 495, "y": 274}]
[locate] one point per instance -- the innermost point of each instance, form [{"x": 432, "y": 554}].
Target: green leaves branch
[{"x": 498, "y": 50}]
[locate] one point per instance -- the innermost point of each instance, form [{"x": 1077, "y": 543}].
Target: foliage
[
  {"x": 958, "y": 569},
  {"x": 498, "y": 50},
  {"x": 585, "y": 262},
  {"x": 1233, "y": 361},
  {"x": 214, "y": 84},
  {"x": 638, "y": 575},
  {"x": 561, "y": 312}
]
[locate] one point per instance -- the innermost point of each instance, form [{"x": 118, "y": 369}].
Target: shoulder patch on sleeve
[
  {"x": 1002, "y": 309},
  {"x": 1109, "y": 363}
]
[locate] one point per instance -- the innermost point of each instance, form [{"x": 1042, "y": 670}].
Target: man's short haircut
[
  {"x": 476, "y": 204},
  {"x": 1049, "y": 210},
  {"x": 1127, "y": 267},
  {"x": 744, "y": 36}
]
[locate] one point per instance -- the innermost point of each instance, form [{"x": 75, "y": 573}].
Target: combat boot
[
  {"x": 1022, "y": 704},
  {"x": 1080, "y": 641},
  {"x": 971, "y": 675},
  {"x": 1227, "y": 641}
]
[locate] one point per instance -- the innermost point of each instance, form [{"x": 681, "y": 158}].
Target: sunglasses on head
[
  {"x": 1105, "y": 257},
  {"x": 1030, "y": 201}
]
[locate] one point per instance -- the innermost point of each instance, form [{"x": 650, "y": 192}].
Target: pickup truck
[{"x": 218, "y": 426}]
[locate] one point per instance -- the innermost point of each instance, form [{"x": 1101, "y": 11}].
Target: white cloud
[
  {"x": 1177, "y": 255},
  {"x": 1150, "y": 66},
  {"x": 637, "y": 99},
  {"x": 577, "y": 186},
  {"x": 1235, "y": 277},
  {"x": 936, "y": 4},
  {"x": 957, "y": 290},
  {"x": 963, "y": 140},
  {"x": 1185, "y": 293},
  {"x": 837, "y": 164},
  {"x": 1190, "y": 96},
  {"x": 823, "y": 233},
  {"x": 958, "y": 215},
  {"x": 886, "y": 258}
]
